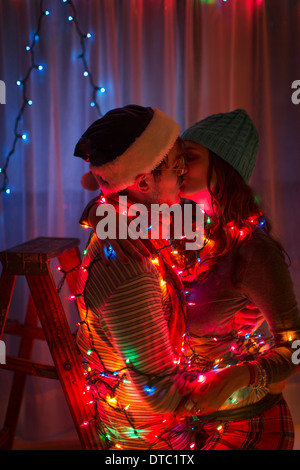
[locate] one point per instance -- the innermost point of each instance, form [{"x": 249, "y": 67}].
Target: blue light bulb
[
  {"x": 88, "y": 35},
  {"x": 109, "y": 252},
  {"x": 40, "y": 67},
  {"x": 25, "y": 137},
  {"x": 7, "y": 191},
  {"x": 30, "y": 102},
  {"x": 70, "y": 18},
  {"x": 149, "y": 390},
  {"x": 47, "y": 12},
  {"x": 85, "y": 73},
  {"x": 92, "y": 104},
  {"x": 102, "y": 89}
]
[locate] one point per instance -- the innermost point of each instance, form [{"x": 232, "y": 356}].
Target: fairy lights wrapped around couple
[{"x": 154, "y": 327}]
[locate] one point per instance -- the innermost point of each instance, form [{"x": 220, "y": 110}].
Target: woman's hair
[
  {"x": 237, "y": 213},
  {"x": 234, "y": 204}
]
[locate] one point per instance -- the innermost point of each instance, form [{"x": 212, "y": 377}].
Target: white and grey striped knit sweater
[{"x": 127, "y": 319}]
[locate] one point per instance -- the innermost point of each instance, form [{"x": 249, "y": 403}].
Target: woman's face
[{"x": 194, "y": 185}]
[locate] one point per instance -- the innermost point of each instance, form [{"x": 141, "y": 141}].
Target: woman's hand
[
  {"x": 248, "y": 319},
  {"x": 214, "y": 390}
]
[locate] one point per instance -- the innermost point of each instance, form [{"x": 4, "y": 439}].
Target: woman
[
  {"x": 241, "y": 262},
  {"x": 237, "y": 407}
]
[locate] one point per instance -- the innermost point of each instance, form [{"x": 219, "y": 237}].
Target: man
[{"x": 132, "y": 316}]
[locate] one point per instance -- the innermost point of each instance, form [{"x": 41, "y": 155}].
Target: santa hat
[{"x": 123, "y": 144}]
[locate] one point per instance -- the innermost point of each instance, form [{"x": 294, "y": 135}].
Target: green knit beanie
[{"x": 232, "y": 136}]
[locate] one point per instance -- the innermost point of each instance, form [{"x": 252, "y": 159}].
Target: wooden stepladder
[{"x": 31, "y": 260}]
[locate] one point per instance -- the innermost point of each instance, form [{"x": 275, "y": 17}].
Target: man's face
[{"x": 166, "y": 187}]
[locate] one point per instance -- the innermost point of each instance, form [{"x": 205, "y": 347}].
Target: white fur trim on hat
[{"x": 143, "y": 155}]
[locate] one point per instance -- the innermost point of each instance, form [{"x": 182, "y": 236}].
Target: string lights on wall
[
  {"x": 23, "y": 83},
  {"x": 96, "y": 90}
]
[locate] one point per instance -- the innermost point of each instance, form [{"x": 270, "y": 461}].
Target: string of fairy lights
[
  {"x": 102, "y": 386},
  {"x": 96, "y": 90},
  {"x": 23, "y": 83},
  {"x": 112, "y": 380}
]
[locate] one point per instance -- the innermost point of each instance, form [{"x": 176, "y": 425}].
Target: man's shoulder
[
  {"x": 101, "y": 282},
  {"x": 114, "y": 268}
]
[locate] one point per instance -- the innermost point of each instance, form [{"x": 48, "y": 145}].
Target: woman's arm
[{"x": 267, "y": 283}]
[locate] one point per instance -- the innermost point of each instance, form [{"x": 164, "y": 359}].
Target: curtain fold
[{"x": 190, "y": 58}]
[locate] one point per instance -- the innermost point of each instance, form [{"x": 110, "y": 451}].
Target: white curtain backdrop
[{"x": 190, "y": 58}]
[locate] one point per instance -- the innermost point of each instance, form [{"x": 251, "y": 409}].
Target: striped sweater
[{"x": 125, "y": 310}]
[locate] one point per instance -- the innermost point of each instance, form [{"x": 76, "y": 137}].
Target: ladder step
[
  {"x": 31, "y": 258},
  {"x": 50, "y": 246},
  {"x": 29, "y": 367}
]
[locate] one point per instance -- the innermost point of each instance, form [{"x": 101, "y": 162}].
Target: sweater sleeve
[
  {"x": 267, "y": 283},
  {"x": 134, "y": 317}
]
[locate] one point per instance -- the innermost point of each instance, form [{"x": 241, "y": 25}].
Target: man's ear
[{"x": 144, "y": 182}]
